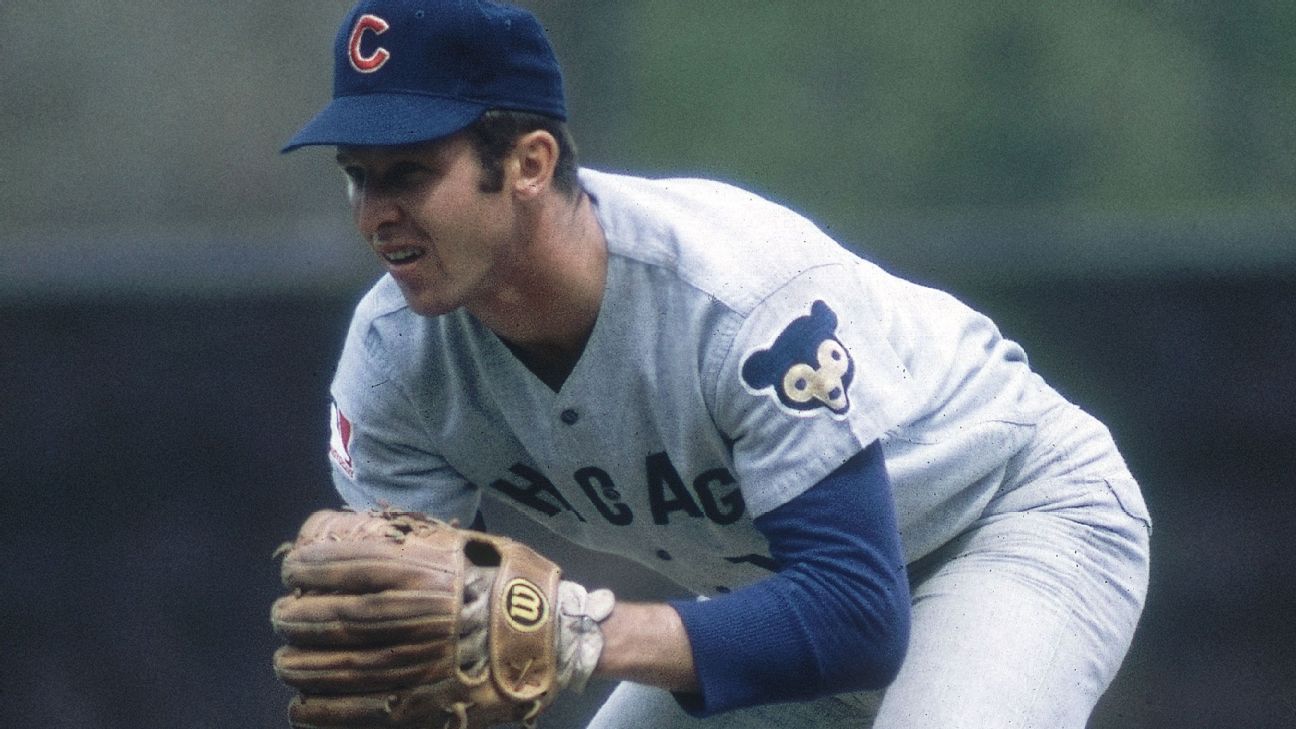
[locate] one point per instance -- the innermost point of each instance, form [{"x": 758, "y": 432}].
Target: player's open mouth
[{"x": 402, "y": 256}]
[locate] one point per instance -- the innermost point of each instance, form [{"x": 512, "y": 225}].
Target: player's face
[{"x": 422, "y": 210}]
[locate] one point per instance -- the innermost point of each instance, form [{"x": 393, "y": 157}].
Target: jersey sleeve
[
  {"x": 379, "y": 447},
  {"x": 835, "y": 617},
  {"x": 809, "y": 380}
]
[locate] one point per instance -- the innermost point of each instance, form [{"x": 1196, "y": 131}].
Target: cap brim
[{"x": 385, "y": 120}]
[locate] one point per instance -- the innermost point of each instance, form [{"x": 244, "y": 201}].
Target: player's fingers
[
  {"x": 371, "y": 567},
  {"x": 413, "y": 708},
  {"x": 383, "y": 618},
  {"x": 364, "y": 670}
]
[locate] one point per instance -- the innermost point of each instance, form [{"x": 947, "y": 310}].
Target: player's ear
[{"x": 534, "y": 159}]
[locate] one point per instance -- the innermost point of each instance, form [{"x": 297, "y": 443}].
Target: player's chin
[{"x": 425, "y": 301}]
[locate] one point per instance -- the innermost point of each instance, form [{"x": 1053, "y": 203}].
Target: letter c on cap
[{"x": 375, "y": 60}]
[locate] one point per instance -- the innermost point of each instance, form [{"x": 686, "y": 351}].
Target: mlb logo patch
[
  {"x": 806, "y": 367},
  {"x": 340, "y": 441}
]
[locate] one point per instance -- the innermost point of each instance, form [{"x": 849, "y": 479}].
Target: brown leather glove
[{"x": 398, "y": 620}]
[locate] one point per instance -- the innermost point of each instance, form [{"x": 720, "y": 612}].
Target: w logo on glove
[{"x": 525, "y": 607}]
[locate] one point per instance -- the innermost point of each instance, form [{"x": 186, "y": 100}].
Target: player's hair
[{"x": 494, "y": 134}]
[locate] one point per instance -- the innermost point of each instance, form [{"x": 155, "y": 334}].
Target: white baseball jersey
[{"x": 739, "y": 357}]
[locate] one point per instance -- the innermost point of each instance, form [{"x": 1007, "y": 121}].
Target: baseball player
[{"x": 889, "y": 520}]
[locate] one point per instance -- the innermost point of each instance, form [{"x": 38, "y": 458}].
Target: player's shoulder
[
  {"x": 388, "y": 341},
  {"x": 383, "y": 302},
  {"x": 733, "y": 244},
  {"x": 382, "y": 319},
  {"x": 383, "y": 299},
  {"x": 683, "y": 194}
]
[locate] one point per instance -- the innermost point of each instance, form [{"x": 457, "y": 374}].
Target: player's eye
[{"x": 403, "y": 176}]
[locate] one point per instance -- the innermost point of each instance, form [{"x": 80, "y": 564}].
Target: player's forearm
[{"x": 646, "y": 643}]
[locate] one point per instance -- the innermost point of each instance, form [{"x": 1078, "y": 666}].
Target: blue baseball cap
[{"x": 408, "y": 71}]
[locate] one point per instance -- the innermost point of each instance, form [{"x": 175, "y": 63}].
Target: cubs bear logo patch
[{"x": 807, "y": 367}]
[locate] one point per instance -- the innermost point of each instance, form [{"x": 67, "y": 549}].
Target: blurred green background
[
  {"x": 1113, "y": 182},
  {"x": 1108, "y": 137}
]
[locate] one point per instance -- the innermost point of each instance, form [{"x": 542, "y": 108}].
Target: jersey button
[
  {"x": 663, "y": 555},
  {"x": 569, "y": 416}
]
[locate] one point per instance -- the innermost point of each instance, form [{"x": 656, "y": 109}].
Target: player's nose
[{"x": 373, "y": 211}]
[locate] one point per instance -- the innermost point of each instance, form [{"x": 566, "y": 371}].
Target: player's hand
[{"x": 398, "y": 620}]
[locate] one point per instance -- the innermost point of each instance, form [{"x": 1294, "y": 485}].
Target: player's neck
[{"x": 547, "y": 307}]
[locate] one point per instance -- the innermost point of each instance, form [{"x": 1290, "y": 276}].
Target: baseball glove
[{"x": 398, "y": 620}]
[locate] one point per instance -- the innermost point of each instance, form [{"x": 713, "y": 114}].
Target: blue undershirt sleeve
[{"x": 833, "y": 619}]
